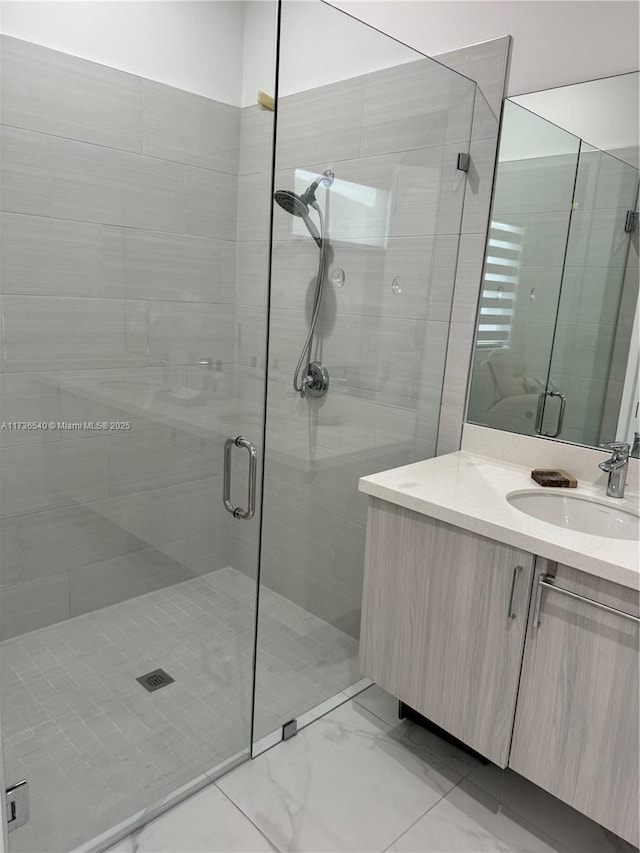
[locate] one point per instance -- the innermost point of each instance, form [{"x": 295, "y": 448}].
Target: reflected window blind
[{"x": 499, "y": 285}]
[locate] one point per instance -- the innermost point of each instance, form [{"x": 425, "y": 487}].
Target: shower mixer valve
[{"x": 316, "y": 382}]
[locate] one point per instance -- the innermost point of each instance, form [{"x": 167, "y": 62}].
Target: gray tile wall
[
  {"x": 392, "y": 139},
  {"x": 118, "y": 268},
  {"x": 130, "y": 256}
]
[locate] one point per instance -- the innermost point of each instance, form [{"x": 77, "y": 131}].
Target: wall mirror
[{"x": 556, "y": 350}]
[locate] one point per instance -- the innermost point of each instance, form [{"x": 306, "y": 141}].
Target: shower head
[
  {"x": 298, "y": 205},
  {"x": 291, "y": 202}
]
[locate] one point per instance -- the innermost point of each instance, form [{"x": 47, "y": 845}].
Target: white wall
[
  {"x": 197, "y": 46},
  {"x": 320, "y": 45},
  {"x": 602, "y": 112},
  {"x": 526, "y": 136},
  {"x": 554, "y": 43},
  {"x": 259, "y": 50}
]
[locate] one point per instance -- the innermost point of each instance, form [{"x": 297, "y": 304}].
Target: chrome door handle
[
  {"x": 510, "y": 611},
  {"x": 546, "y": 582},
  {"x": 238, "y": 512},
  {"x": 540, "y": 413}
]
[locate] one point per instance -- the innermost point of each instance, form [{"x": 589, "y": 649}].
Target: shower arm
[{"x": 309, "y": 195}]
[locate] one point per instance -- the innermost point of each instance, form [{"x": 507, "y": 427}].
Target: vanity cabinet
[
  {"x": 576, "y": 727},
  {"x": 443, "y": 623}
]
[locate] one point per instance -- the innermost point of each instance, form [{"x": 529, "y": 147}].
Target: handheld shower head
[
  {"x": 291, "y": 202},
  {"x": 298, "y": 205}
]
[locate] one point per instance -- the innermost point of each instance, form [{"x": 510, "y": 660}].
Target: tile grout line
[
  {"x": 404, "y": 832},
  {"x": 237, "y": 807},
  {"x": 101, "y": 224},
  {"x": 464, "y": 778},
  {"x": 444, "y": 796},
  {"x": 126, "y": 151}
]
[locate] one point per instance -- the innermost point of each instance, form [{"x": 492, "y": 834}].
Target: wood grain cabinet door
[
  {"x": 443, "y": 623},
  {"x": 576, "y": 729}
]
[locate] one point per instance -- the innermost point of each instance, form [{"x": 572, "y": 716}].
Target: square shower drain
[{"x": 155, "y": 680}]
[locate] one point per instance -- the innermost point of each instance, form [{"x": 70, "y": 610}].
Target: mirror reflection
[{"x": 557, "y": 335}]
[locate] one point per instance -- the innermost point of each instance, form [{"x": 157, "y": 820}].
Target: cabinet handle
[
  {"x": 510, "y": 611},
  {"x": 546, "y": 582}
]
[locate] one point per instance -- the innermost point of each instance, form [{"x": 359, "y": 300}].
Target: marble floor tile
[
  {"x": 341, "y": 784},
  {"x": 205, "y": 823},
  {"x": 575, "y": 830},
  {"x": 353, "y": 782},
  {"x": 377, "y": 701},
  {"x": 469, "y": 820},
  {"x": 428, "y": 745}
]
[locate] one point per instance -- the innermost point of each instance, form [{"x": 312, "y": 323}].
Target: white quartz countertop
[{"x": 470, "y": 492}]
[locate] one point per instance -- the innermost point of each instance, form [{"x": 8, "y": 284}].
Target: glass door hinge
[
  {"x": 464, "y": 161},
  {"x": 17, "y": 805},
  {"x": 289, "y": 729},
  {"x": 631, "y": 221}
]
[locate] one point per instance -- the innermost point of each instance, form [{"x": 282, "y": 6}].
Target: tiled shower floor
[{"x": 96, "y": 747}]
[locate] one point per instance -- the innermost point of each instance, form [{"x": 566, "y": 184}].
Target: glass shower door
[
  {"x": 560, "y": 287},
  {"x": 523, "y": 275},
  {"x": 598, "y": 300},
  {"x": 135, "y": 197},
  {"x": 365, "y": 252}
]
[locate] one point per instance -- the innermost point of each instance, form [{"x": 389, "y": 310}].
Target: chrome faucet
[{"x": 616, "y": 467}]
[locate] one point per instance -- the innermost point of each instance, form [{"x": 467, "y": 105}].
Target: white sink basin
[{"x": 578, "y": 512}]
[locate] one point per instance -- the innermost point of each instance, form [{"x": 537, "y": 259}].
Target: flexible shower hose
[{"x": 299, "y": 382}]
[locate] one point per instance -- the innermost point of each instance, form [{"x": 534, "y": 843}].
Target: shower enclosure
[
  {"x": 155, "y": 303},
  {"x": 560, "y": 286}
]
